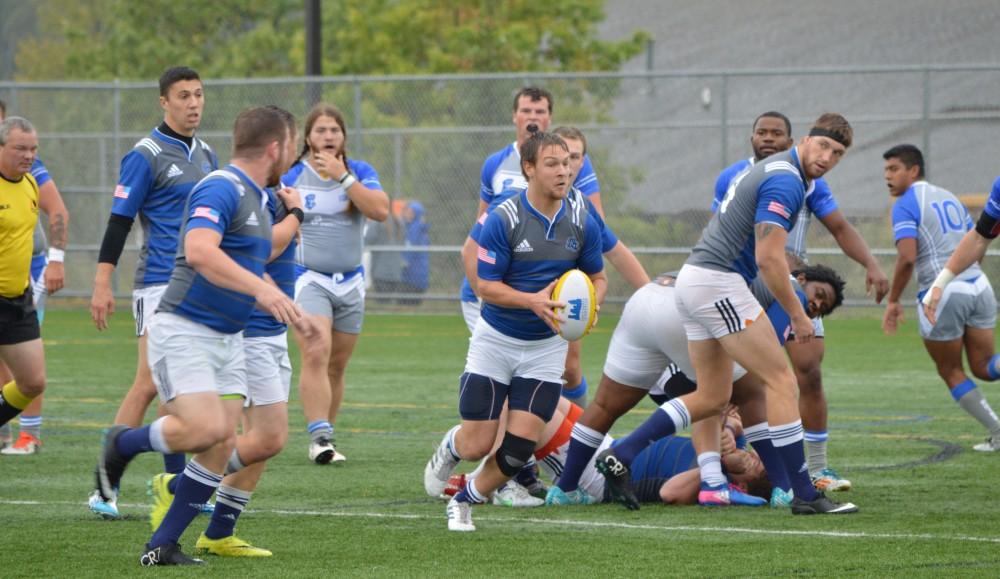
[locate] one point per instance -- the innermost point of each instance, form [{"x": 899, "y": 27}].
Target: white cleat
[
  {"x": 991, "y": 444},
  {"x": 512, "y": 494},
  {"x": 322, "y": 451},
  {"x": 460, "y": 516},
  {"x": 439, "y": 468}
]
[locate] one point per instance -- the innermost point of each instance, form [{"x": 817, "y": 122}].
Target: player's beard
[{"x": 274, "y": 176}]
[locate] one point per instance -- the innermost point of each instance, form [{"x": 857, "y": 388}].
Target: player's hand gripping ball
[{"x": 575, "y": 289}]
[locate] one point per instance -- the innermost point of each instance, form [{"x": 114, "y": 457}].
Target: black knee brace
[{"x": 513, "y": 453}]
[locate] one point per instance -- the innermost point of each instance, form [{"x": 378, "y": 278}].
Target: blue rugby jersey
[
  {"x": 228, "y": 202},
  {"x": 773, "y": 191},
  {"x": 155, "y": 179},
  {"x": 281, "y": 270},
  {"x": 501, "y": 178},
  {"x": 608, "y": 238},
  {"x": 992, "y": 207},
  {"x": 523, "y": 249},
  {"x": 819, "y": 203}
]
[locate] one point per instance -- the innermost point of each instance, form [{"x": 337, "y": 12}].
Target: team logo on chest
[
  {"x": 523, "y": 247},
  {"x": 174, "y": 171},
  {"x": 572, "y": 244},
  {"x": 252, "y": 220}
]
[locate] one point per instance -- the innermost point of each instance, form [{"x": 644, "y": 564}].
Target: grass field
[{"x": 928, "y": 502}]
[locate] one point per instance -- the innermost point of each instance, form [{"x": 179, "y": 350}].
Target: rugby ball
[{"x": 575, "y": 289}]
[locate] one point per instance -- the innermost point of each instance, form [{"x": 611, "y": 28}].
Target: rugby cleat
[
  {"x": 512, "y": 494},
  {"x": 439, "y": 469},
  {"x": 459, "y": 516},
  {"x": 991, "y": 444},
  {"x": 616, "y": 475},
  {"x": 26, "y": 444},
  {"x": 780, "y": 498},
  {"x": 714, "y": 496},
  {"x": 228, "y": 547},
  {"x": 321, "y": 451},
  {"x": 169, "y": 554},
  {"x": 558, "y": 497},
  {"x": 821, "y": 506},
  {"x": 111, "y": 464},
  {"x": 727, "y": 495},
  {"x": 159, "y": 489},
  {"x": 828, "y": 480},
  {"x": 107, "y": 510}
]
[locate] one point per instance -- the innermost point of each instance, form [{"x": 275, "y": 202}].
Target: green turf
[{"x": 370, "y": 517}]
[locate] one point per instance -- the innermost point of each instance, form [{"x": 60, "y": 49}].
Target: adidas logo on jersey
[
  {"x": 252, "y": 220},
  {"x": 523, "y": 247},
  {"x": 174, "y": 171}
]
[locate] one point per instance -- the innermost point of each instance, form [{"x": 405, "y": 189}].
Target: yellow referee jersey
[{"x": 18, "y": 216}]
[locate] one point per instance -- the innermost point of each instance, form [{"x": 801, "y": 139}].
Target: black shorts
[{"x": 18, "y": 320}]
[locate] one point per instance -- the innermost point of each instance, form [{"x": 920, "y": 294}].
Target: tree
[{"x": 108, "y": 39}]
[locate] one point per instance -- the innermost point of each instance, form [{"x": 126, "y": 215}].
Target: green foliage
[{"x": 107, "y": 39}]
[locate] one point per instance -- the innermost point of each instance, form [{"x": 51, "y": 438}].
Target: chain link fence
[{"x": 657, "y": 141}]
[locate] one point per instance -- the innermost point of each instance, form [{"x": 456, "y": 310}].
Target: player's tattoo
[
  {"x": 762, "y": 230},
  {"x": 57, "y": 231}
]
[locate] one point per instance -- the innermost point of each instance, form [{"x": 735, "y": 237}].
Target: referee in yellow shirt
[{"x": 20, "y": 339}]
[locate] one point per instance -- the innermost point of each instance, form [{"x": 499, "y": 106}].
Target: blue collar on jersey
[
  {"x": 549, "y": 225},
  {"x": 188, "y": 150},
  {"x": 261, "y": 194}
]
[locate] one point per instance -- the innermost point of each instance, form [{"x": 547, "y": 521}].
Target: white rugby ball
[{"x": 575, "y": 289}]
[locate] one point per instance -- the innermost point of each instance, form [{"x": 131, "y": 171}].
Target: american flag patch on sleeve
[
  {"x": 121, "y": 191},
  {"x": 206, "y": 212},
  {"x": 775, "y": 207},
  {"x": 482, "y": 218},
  {"x": 487, "y": 256}
]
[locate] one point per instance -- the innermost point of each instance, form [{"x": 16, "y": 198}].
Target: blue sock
[
  {"x": 578, "y": 392},
  {"x": 229, "y": 505},
  {"x": 319, "y": 429},
  {"x": 993, "y": 368},
  {"x": 787, "y": 440},
  {"x": 194, "y": 489},
  {"x": 172, "y": 484},
  {"x": 583, "y": 444},
  {"x": 668, "y": 419},
  {"x": 469, "y": 494},
  {"x": 134, "y": 441},
  {"x": 759, "y": 436},
  {"x": 174, "y": 462},
  {"x": 962, "y": 389}
]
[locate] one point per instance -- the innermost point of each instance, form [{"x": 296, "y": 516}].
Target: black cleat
[
  {"x": 821, "y": 506},
  {"x": 616, "y": 476},
  {"x": 111, "y": 464},
  {"x": 169, "y": 554}
]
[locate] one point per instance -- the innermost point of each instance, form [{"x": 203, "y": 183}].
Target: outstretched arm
[{"x": 854, "y": 246}]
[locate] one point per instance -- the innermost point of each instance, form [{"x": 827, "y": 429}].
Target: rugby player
[
  {"x": 156, "y": 177},
  {"x": 515, "y": 355},
  {"x": 929, "y": 223}
]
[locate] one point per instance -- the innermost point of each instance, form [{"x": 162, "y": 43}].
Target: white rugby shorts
[
  {"x": 962, "y": 304},
  {"x": 186, "y": 357},
  {"x": 269, "y": 371},
  {"x": 713, "y": 304},
  {"x": 501, "y": 357},
  {"x": 471, "y": 312},
  {"x": 144, "y": 304}
]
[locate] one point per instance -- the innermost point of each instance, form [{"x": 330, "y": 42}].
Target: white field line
[{"x": 582, "y": 524}]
